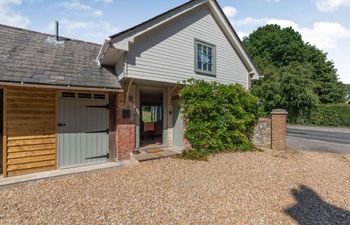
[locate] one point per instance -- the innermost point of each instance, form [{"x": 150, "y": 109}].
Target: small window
[
  {"x": 99, "y": 96},
  {"x": 68, "y": 94},
  {"x": 205, "y": 58},
  {"x": 84, "y": 95}
]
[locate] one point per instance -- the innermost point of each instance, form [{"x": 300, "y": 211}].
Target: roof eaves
[{"x": 151, "y": 20}]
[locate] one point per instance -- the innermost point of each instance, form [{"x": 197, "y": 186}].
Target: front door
[{"x": 83, "y": 130}]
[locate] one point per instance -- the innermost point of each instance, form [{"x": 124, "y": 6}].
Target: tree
[
  {"x": 298, "y": 91},
  {"x": 347, "y": 90},
  {"x": 274, "y": 49}
]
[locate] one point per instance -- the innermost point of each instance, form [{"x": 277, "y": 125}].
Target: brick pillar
[
  {"x": 125, "y": 129},
  {"x": 278, "y": 129}
]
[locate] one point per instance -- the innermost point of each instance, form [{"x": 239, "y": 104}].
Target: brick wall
[
  {"x": 278, "y": 129},
  {"x": 125, "y": 128}
]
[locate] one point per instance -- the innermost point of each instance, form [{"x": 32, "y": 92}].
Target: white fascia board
[
  {"x": 123, "y": 45},
  {"x": 103, "y": 50}
]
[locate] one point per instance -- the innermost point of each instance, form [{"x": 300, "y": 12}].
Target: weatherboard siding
[{"x": 167, "y": 53}]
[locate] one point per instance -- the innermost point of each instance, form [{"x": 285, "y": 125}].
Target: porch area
[{"x": 155, "y": 153}]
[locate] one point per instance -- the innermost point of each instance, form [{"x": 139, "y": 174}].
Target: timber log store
[
  {"x": 55, "y": 103},
  {"x": 46, "y": 130}
]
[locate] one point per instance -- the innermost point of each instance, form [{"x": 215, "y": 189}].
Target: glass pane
[
  {"x": 210, "y": 51},
  {"x": 205, "y": 66},
  {"x": 199, "y": 57},
  {"x": 199, "y": 65},
  {"x": 210, "y": 67},
  {"x": 152, "y": 113},
  {"x": 199, "y": 47},
  {"x": 210, "y": 59},
  {"x": 205, "y": 49}
]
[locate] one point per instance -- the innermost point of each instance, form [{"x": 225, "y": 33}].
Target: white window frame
[{"x": 208, "y": 45}]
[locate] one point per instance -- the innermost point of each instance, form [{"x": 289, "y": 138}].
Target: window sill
[{"x": 205, "y": 73}]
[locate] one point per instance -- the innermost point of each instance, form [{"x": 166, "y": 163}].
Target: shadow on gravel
[{"x": 312, "y": 209}]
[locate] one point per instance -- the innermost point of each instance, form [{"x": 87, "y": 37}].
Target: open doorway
[
  {"x": 1, "y": 129},
  {"x": 151, "y": 116}
]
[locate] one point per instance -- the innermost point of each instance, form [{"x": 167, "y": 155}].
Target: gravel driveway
[{"x": 234, "y": 188}]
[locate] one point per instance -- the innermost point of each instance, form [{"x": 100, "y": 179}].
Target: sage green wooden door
[
  {"x": 83, "y": 131},
  {"x": 178, "y": 126}
]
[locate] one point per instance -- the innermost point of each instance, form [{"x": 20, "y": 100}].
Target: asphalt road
[{"x": 324, "y": 139}]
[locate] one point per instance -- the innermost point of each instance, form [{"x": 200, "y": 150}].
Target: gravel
[{"x": 232, "y": 188}]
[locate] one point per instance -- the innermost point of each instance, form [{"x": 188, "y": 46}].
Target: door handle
[{"x": 61, "y": 124}]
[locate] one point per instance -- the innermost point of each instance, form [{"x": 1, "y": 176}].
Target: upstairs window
[{"x": 205, "y": 58}]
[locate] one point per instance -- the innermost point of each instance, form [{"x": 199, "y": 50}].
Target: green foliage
[
  {"x": 347, "y": 90},
  {"x": 297, "y": 91},
  {"x": 282, "y": 56},
  {"x": 218, "y": 117},
  {"x": 290, "y": 88},
  {"x": 330, "y": 115},
  {"x": 195, "y": 154}
]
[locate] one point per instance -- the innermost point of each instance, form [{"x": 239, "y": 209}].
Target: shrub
[
  {"x": 218, "y": 117},
  {"x": 330, "y": 115}
]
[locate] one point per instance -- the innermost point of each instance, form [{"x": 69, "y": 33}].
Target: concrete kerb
[{"x": 54, "y": 174}]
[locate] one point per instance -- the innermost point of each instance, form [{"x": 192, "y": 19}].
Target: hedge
[
  {"x": 330, "y": 115},
  {"x": 218, "y": 117}
]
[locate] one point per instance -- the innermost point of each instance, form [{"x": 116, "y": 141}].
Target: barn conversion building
[{"x": 68, "y": 103}]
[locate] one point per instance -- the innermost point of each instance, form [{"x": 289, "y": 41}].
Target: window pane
[
  {"x": 199, "y": 48},
  {"x": 199, "y": 65},
  {"x": 199, "y": 57},
  {"x": 204, "y": 49},
  {"x": 205, "y": 66},
  {"x": 210, "y": 59},
  {"x": 210, "y": 51},
  {"x": 210, "y": 67}
]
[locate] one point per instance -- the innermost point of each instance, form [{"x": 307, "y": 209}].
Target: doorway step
[{"x": 155, "y": 153}]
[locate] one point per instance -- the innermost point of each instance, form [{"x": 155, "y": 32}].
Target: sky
[{"x": 324, "y": 23}]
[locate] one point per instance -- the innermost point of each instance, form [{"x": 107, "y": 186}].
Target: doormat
[{"x": 154, "y": 150}]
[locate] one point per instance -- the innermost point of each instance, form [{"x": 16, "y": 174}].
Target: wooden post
[
  {"x": 112, "y": 126},
  {"x": 4, "y": 133},
  {"x": 279, "y": 129}
]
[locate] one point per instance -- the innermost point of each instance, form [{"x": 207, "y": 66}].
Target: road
[{"x": 336, "y": 140}]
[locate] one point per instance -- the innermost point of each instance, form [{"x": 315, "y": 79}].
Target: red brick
[
  {"x": 125, "y": 129},
  {"x": 278, "y": 129}
]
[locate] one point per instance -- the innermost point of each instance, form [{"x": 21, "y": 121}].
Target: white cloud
[
  {"x": 242, "y": 34},
  {"x": 104, "y": 1},
  {"x": 230, "y": 11},
  {"x": 95, "y": 31},
  {"x": 249, "y": 21},
  {"x": 328, "y": 36},
  {"x": 325, "y": 35},
  {"x": 331, "y": 5},
  {"x": 76, "y": 5},
  {"x": 9, "y": 17}
]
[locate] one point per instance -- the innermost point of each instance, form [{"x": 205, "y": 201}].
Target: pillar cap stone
[{"x": 279, "y": 112}]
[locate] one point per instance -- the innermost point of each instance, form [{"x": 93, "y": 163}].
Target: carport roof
[{"x": 29, "y": 57}]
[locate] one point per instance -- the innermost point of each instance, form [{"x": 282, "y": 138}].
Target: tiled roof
[{"x": 36, "y": 58}]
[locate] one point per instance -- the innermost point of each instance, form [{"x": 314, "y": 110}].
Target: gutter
[{"x": 68, "y": 87}]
